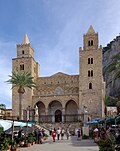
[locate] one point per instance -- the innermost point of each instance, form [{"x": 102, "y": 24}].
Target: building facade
[
  {"x": 5, "y": 113},
  {"x": 60, "y": 97}
]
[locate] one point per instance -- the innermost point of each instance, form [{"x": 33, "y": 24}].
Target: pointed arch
[
  {"x": 53, "y": 106},
  {"x": 41, "y": 108},
  {"x": 71, "y": 107}
]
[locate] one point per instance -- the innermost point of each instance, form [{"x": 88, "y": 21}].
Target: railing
[{"x": 67, "y": 118}]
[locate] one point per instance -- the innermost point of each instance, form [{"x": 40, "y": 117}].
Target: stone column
[
  {"x": 46, "y": 111},
  {"x": 53, "y": 118},
  {"x": 63, "y": 113}
]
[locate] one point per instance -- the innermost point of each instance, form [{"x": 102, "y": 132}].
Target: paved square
[{"x": 64, "y": 145}]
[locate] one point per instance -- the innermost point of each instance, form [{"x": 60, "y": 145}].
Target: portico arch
[
  {"x": 71, "y": 111},
  {"x": 55, "y": 110},
  {"x": 71, "y": 107},
  {"x": 41, "y": 108},
  {"x": 40, "y": 111}
]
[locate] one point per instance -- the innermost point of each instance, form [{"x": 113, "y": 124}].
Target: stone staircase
[{"x": 70, "y": 126}]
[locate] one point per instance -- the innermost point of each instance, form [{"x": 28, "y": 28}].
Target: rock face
[{"x": 109, "y": 51}]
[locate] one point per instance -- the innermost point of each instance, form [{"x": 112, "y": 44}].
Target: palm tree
[{"x": 21, "y": 80}]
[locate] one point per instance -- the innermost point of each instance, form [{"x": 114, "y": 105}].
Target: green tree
[
  {"x": 21, "y": 80},
  {"x": 110, "y": 101}
]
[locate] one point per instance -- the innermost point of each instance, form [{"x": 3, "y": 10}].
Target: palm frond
[{"x": 21, "y": 79}]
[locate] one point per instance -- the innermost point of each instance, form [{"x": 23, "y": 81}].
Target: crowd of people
[{"x": 59, "y": 134}]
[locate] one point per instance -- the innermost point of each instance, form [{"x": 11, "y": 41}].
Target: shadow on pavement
[{"x": 82, "y": 143}]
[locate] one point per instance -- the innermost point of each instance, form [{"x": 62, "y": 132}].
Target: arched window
[
  {"x": 91, "y": 42},
  {"x": 22, "y": 51},
  {"x": 21, "y": 66},
  {"x": 89, "y": 73},
  {"x": 88, "y": 60},
  {"x": 91, "y": 60},
  {"x": 90, "y": 85}
]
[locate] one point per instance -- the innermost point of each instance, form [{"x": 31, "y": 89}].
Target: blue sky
[{"x": 55, "y": 29}]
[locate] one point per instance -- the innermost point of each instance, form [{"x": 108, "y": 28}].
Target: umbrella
[
  {"x": 16, "y": 123},
  {"x": 110, "y": 120},
  {"x": 5, "y": 124},
  {"x": 102, "y": 121},
  {"x": 92, "y": 123},
  {"x": 118, "y": 120}
]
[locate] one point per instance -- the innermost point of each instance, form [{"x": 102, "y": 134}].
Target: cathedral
[{"x": 62, "y": 97}]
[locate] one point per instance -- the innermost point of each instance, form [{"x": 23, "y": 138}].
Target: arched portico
[
  {"x": 55, "y": 110},
  {"x": 71, "y": 110},
  {"x": 40, "y": 111}
]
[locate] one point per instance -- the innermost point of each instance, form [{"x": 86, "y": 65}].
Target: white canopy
[{"x": 5, "y": 124}]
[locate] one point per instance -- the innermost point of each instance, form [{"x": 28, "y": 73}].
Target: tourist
[
  {"x": 96, "y": 135},
  {"x": 54, "y": 134},
  {"x": 40, "y": 136},
  {"x": 67, "y": 133},
  {"x": 20, "y": 133},
  {"x": 58, "y": 133},
  {"x": 79, "y": 134},
  {"x": 62, "y": 133}
]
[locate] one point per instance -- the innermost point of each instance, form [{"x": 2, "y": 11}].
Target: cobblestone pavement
[{"x": 64, "y": 145}]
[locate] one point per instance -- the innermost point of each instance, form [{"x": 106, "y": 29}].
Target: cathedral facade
[{"x": 62, "y": 97}]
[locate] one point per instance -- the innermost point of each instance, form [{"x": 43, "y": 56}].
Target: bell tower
[
  {"x": 25, "y": 49},
  {"x": 91, "y": 81},
  {"x": 24, "y": 62}
]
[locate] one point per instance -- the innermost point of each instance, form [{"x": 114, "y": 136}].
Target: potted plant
[
  {"x": 27, "y": 143},
  {"x": 31, "y": 139},
  {"x": 14, "y": 146},
  {"x": 22, "y": 141},
  {"x": 5, "y": 145}
]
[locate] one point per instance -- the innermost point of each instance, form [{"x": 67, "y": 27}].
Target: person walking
[
  {"x": 54, "y": 134},
  {"x": 62, "y": 133},
  {"x": 67, "y": 133},
  {"x": 40, "y": 136},
  {"x": 58, "y": 133},
  {"x": 79, "y": 134}
]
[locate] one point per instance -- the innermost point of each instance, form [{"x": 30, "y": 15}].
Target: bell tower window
[
  {"x": 91, "y": 60},
  {"x": 88, "y": 60},
  {"x": 91, "y": 73},
  {"x": 22, "y": 67},
  {"x": 89, "y": 43},
  {"x": 23, "y": 52},
  {"x": 90, "y": 85},
  {"x": 88, "y": 73}
]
